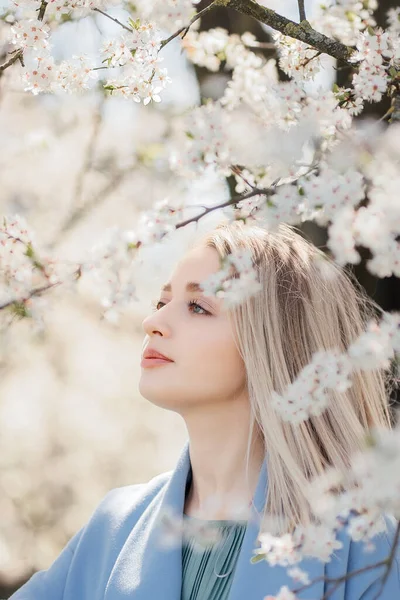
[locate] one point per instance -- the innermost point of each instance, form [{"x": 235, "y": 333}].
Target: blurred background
[{"x": 72, "y": 422}]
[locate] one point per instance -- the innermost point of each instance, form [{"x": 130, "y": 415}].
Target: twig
[
  {"x": 305, "y": 63},
  {"x": 17, "y": 55},
  {"x": 197, "y": 16},
  {"x": 42, "y": 10},
  {"x": 261, "y": 45},
  {"x": 302, "y": 10},
  {"x": 237, "y": 171},
  {"x": 113, "y": 19}
]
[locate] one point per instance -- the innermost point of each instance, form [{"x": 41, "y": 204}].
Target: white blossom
[{"x": 30, "y": 34}]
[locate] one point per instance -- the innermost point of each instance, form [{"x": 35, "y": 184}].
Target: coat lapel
[
  {"x": 146, "y": 568},
  {"x": 254, "y": 581}
]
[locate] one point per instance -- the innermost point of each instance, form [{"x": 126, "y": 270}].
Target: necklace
[{"x": 222, "y": 575}]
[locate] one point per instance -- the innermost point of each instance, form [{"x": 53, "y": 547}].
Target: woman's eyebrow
[{"x": 191, "y": 286}]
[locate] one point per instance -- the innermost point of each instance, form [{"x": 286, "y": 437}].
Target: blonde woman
[{"x": 218, "y": 368}]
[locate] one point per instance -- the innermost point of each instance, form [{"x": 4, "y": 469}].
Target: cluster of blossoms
[
  {"x": 378, "y": 52},
  {"x": 309, "y": 394},
  {"x": 344, "y": 19},
  {"x": 314, "y": 540},
  {"x": 331, "y": 370},
  {"x": 212, "y": 47},
  {"x": 169, "y": 14},
  {"x": 237, "y": 289},
  {"x": 58, "y": 8},
  {"x": 359, "y": 501},
  {"x": 41, "y": 73},
  {"x": 296, "y": 58},
  {"x": 375, "y": 226},
  {"x": 134, "y": 55},
  {"x": 111, "y": 269},
  {"x": 136, "y": 52},
  {"x": 369, "y": 487},
  {"x": 23, "y": 270},
  {"x": 377, "y": 58}
]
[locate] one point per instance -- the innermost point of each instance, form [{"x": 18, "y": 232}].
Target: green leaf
[
  {"x": 350, "y": 15},
  {"x": 257, "y": 558},
  {"x": 19, "y": 309},
  {"x": 134, "y": 24},
  {"x": 29, "y": 251}
]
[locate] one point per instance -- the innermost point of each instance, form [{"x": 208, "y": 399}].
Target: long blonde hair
[{"x": 307, "y": 303}]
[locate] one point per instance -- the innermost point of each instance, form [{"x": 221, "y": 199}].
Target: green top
[{"x": 209, "y": 559}]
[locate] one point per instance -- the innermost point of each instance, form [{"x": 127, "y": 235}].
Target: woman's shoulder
[
  {"x": 119, "y": 501},
  {"x": 124, "y": 504},
  {"x": 98, "y": 542}
]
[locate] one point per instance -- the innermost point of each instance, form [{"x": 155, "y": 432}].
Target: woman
[{"x": 222, "y": 367}]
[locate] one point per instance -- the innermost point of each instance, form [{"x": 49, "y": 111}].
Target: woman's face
[{"x": 206, "y": 368}]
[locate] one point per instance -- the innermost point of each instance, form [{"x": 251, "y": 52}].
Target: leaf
[
  {"x": 134, "y": 24},
  {"x": 257, "y": 558}
]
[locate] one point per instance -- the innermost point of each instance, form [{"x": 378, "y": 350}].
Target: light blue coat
[{"x": 117, "y": 554}]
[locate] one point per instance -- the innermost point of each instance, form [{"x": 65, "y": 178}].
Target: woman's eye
[
  {"x": 205, "y": 312},
  {"x": 192, "y": 303}
]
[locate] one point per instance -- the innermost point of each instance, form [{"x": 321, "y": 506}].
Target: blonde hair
[{"x": 307, "y": 303}]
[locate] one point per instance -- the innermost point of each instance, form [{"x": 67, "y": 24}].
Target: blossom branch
[
  {"x": 34, "y": 292},
  {"x": 299, "y": 31},
  {"x": 254, "y": 192}
]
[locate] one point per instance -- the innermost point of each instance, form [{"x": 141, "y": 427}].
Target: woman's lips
[{"x": 154, "y": 362}]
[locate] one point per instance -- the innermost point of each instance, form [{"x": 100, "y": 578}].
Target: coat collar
[{"x": 146, "y": 569}]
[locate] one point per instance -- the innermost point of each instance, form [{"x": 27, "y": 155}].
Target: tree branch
[
  {"x": 17, "y": 55},
  {"x": 299, "y": 31}
]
